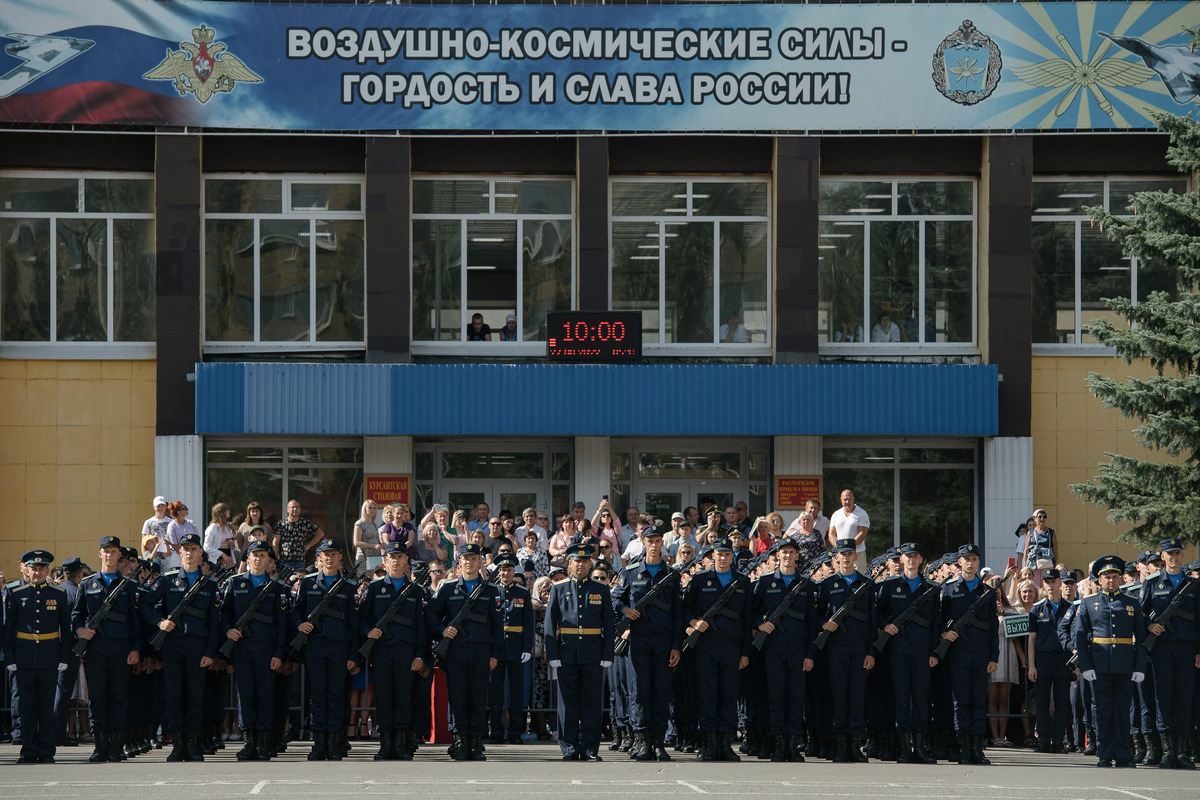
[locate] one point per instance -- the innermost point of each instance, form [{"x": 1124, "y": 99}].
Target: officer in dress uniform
[
  {"x": 258, "y": 652},
  {"x": 190, "y": 646},
  {"x": 38, "y": 628},
  {"x": 1049, "y": 673},
  {"x": 785, "y": 651},
  {"x": 113, "y": 649},
  {"x": 848, "y": 656},
  {"x": 1108, "y": 628},
  {"x": 579, "y": 631},
  {"x": 399, "y": 651},
  {"x": 475, "y": 648},
  {"x": 972, "y": 656},
  {"x": 1176, "y": 653},
  {"x": 328, "y": 651},
  {"x": 655, "y": 636},
  {"x": 516, "y": 610},
  {"x": 910, "y": 650},
  {"x": 723, "y": 649}
]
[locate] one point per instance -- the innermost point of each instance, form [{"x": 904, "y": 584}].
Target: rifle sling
[
  {"x": 919, "y": 621},
  {"x": 724, "y": 611},
  {"x": 976, "y": 622},
  {"x": 792, "y": 613},
  {"x": 193, "y": 612},
  {"x": 259, "y": 616},
  {"x": 660, "y": 604},
  {"x": 113, "y": 616},
  {"x": 334, "y": 614}
]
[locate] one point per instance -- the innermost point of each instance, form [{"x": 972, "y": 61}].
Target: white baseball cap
[{"x": 159, "y": 501}]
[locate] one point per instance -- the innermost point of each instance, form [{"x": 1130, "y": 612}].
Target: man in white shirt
[
  {"x": 820, "y": 524},
  {"x": 849, "y": 522},
  {"x": 530, "y": 517},
  {"x": 629, "y": 531}
]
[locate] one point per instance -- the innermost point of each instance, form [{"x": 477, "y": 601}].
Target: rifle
[
  {"x": 801, "y": 582},
  {"x": 622, "y": 645},
  {"x": 904, "y": 616},
  {"x": 243, "y": 623},
  {"x": 317, "y": 614},
  {"x": 843, "y": 610},
  {"x": 99, "y": 615},
  {"x": 1173, "y": 608},
  {"x": 157, "y": 640},
  {"x": 410, "y": 586},
  {"x": 442, "y": 647},
  {"x": 960, "y": 624}
]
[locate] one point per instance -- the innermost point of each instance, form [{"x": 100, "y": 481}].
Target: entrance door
[
  {"x": 663, "y": 499},
  {"x": 511, "y": 496}
]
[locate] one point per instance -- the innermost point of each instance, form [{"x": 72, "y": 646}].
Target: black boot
[
  {"x": 195, "y": 750},
  {"x": 1183, "y": 752},
  {"x": 476, "y": 749},
  {"x": 627, "y": 739},
  {"x": 749, "y": 746},
  {"x": 400, "y": 746},
  {"x": 920, "y": 750},
  {"x": 320, "y": 748},
  {"x": 964, "y": 750},
  {"x": 178, "y": 748},
  {"x": 115, "y": 742},
  {"x": 618, "y": 737},
  {"x": 660, "y": 745},
  {"x": 841, "y": 748},
  {"x": 335, "y": 745},
  {"x": 100, "y": 754},
  {"x": 977, "y": 756},
  {"x": 1090, "y": 743},
  {"x": 1139, "y": 748},
  {"x": 904, "y": 754},
  {"x": 888, "y": 746},
  {"x": 1153, "y": 750},
  {"x": 643, "y": 746},
  {"x": 795, "y": 746},
  {"x": 779, "y": 752},
  {"x": 725, "y": 750},
  {"x": 458, "y": 748},
  {"x": 855, "y": 753},
  {"x": 827, "y": 746},
  {"x": 387, "y": 744},
  {"x": 766, "y": 745},
  {"x": 1168, "y": 757},
  {"x": 249, "y": 751},
  {"x": 708, "y": 747},
  {"x": 263, "y": 745}
]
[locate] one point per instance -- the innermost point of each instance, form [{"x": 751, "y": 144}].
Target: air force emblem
[
  {"x": 966, "y": 65},
  {"x": 202, "y": 68}
]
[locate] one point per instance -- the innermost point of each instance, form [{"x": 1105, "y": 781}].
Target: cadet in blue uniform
[
  {"x": 112, "y": 650},
  {"x": 655, "y": 636},
  {"x": 579, "y": 631},
  {"x": 910, "y": 650},
  {"x": 189, "y": 648},
  {"x": 1147, "y": 747},
  {"x": 972, "y": 656},
  {"x": 1108, "y": 626},
  {"x": 1048, "y": 671},
  {"x": 475, "y": 648},
  {"x": 72, "y": 577},
  {"x": 785, "y": 651},
  {"x": 723, "y": 649},
  {"x": 848, "y": 656},
  {"x": 258, "y": 655},
  {"x": 516, "y": 610},
  {"x": 1175, "y": 655},
  {"x": 399, "y": 652},
  {"x": 38, "y": 627},
  {"x": 329, "y": 650}
]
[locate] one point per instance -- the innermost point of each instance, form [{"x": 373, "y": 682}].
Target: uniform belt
[
  {"x": 729, "y": 613},
  {"x": 976, "y": 622},
  {"x": 854, "y": 613},
  {"x": 334, "y": 614},
  {"x": 514, "y": 628},
  {"x": 266, "y": 619},
  {"x": 478, "y": 617},
  {"x": 919, "y": 621},
  {"x": 193, "y": 612},
  {"x": 113, "y": 616},
  {"x": 1186, "y": 616},
  {"x": 37, "y": 637},
  {"x": 581, "y": 631},
  {"x": 792, "y": 613},
  {"x": 1111, "y": 640},
  {"x": 661, "y": 604}
]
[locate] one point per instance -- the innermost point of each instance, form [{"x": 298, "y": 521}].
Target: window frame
[
  {"x": 312, "y": 345},
  {"x": 889, "y": 349},
  {"x": 1080, "y": 348},
  {"x": 461, "y": 347},
  {"x": 55, "y": 349},
  {"x": 715, "y": 348}
]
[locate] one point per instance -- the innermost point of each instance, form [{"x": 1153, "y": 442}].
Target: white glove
[
  {"x": 606, "y": 664},
  {"x": 1088, "y": 674},
  {"x": 62, "y": 667},
  {"x": 524, "y": 657},
  {"x": 556, "y": 663},
  {"x": 1137, "y": 677},
  {"x": 12, "y": 667}
]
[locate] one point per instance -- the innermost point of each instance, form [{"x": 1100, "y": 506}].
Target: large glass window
[
  {"x": 77, "y": 258},
  {"x": 693, "y": 256},
  {"x": 284, "y": 263},
  {"x": 897, "y": 263},
  {"x": 912, "y": 493},
  {"x": 1076, "y": 267},
  {"x": 492, "y": 247}
]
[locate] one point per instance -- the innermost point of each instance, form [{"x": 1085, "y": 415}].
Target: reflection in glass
[
  {"x": 220, "y": 454},
  {"x": 744, "y": 277},
  {"x": 949, "y": 268},
  {"x": 39, "y": 194},
  {"x": 1056, "y": 198},
  {"x": 757, "y": 466},
  {"x": 855, "y": 197},
  {"x": 325, "y": 455},
  {"x": 546, "y": 246},
  {"x": 437, "y": 280},
  {"x": 689, "y": 282},
  {"x": 341, "y": 285},
  {"x": 239, "y": 487},
  {"x": 492, "y": 271},
  {"x": 895, "y": 275},
  {"x": 1120, "y": 193},
  {"x": 635, "y": 268},
  {"x": 689, "y": 466},
  {"x": 937, "y": 509},
  {"x": 936, "y": 197},
  {"x": 937, "y": 455},
  {"x": 331, "y": 497},
  {"x": 423, "y": 465},
  {"x": 517, "y": 196},
  {"x": 326, "y": 196},
  {"x": 284, "y": 280},
  {"x": 620, "y": 465},
  {"x": 561, "y": 469},
  {"x": 740, "y": 199},
  {"x": 1105, "y": 272},
  {"x": 134, "y": 298},
  {"x": 493, "y": 465},
  {"x": 238, "y": 196},
  {"x": 25, "y": 279},
  {"x": 840, "y": 282},
  {"x": 648, "y": 199},
  {"x": 229, "y": 280},
  {"x": 117, "y": 195},
  {"x": 450, "y": 197},
  {"x": 82, "y": 267},
  {"x": 1054, "y": 282},
  {"x": 855, "y": 455}
]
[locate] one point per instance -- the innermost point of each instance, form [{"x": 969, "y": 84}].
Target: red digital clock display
[{"x": 594, "y": 336}]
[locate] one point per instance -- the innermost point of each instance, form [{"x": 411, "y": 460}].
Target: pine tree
[{"x": 1161, "y": 496}]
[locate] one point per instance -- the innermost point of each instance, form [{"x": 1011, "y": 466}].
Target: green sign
[{"x": 1016, "y": 625}]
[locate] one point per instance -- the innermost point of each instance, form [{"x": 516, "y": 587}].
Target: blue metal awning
[{"x": 597, "y": 400}]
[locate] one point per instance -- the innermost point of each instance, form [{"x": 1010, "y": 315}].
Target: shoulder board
[
  {"x": 171, "y": 573},
  {"x": 891, "y": 579},
  {"x": 377, "y": 580},
  {"x": 56, "y": 587},
  {"x": 17, "y": 586},
  {"x": 955, "y": 579}
]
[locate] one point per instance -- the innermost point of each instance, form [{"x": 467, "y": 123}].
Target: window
[
  {"x": 912, "y": 492},
  {"x": 897, "y": 264},
  {"x": 78, "y": 261},
  {"x": 284, "y": 263},
  {"x": 693, "y": 256},
  {"x": 1076, "y": 266},
  {"x": 494, "y": 250}
]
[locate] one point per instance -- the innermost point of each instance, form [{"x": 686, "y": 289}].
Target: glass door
[
  {"x": 516, "y": 498},
  {"x": 663, "y": 499}
]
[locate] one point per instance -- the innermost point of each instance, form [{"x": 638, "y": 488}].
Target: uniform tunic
[
  {"x": 652, "y": 637},
  {"x": 969, "y": 656},
  {"x": 721, "y": 647},
  {"x": 516, "y": 611},
  {"x": 579, "y": 629},
  {"x": 108, "y": 672},
  {"x": 328, "y": 648},
  {"x": 1107, "y": 627},
  {"x": 265, "y": 638},
  {"x": 194, "y": 637},
  {"x": 909, "y": 651},
  {"x": 37, "y": 631},
  {"x": 404, "y": 639},
  {"x": 786, "y": 648},
  {"x": 480, "y": 638}
]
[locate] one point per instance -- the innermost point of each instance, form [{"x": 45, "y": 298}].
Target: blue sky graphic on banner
[{"x": 701, "y": 67}]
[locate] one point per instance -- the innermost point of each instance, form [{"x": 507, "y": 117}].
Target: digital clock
[{"x": 594, "y": 336}]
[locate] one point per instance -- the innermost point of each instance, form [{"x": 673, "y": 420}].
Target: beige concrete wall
[{"x": 76, "y": 455}]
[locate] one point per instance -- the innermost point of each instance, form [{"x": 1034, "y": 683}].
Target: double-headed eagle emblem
[{"x": 202, "y": 68}]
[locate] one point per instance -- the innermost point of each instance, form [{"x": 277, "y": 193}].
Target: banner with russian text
[{"x": 545, "y": 68}]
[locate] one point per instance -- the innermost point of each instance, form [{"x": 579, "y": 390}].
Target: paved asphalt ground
[{"x": 535, "y": 771}]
